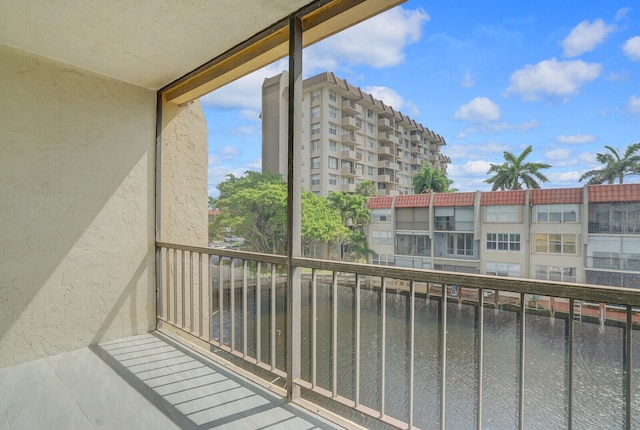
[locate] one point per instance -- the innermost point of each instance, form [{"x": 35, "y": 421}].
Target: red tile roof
[
  {"x": 557, "y": 195},
  {"x": 453, "y": 199},
  {"x": 213, "y": 212},
  {"x": 413, "y": 201},
  {"x": 380, "y": 202},
  {"x": 614, "y": 193},
  {"x": 495, "y": 198}
]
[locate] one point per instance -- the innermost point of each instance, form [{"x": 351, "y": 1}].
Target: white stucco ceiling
[{"x": 149, "y": 43}]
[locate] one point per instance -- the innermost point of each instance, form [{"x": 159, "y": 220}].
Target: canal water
[{"x": 598, "y": 368}]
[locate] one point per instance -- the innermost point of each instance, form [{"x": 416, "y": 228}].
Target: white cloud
[
  {"x": 633, "y": 105},
  {"x": 244, "y": 94},
  {"x": 479, "y": 167},
  {"x": 478, "y": 110},
  {"x": 255, "y": 164},
  {"x": 564, "y": 178},
  {"x": 229, "y": 152},
  {"x": 387, "y": 95},
  {"x": 557, "y": 154},
  {"x": 468, "y": 81},
  {"x": 585, "y": 36},
  {"x": 469, "y": 151},
  {"x": 631, "y": 48},
  {"x": 553, "y": 78},
  {"x": 528, "y": 125},
  {"x": 576, "y": 138},
  {"x": 622, "y": 13},
  {"x": 376, "y": 42}
]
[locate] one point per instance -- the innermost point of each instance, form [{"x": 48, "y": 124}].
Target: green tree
[
  {"x": 366, "y": 188},
  {"x": 430, "y": 179},
  {"x": 355, "y": 214},
  {"x": 514, "y": 173},
  {"x": 321, "y": 223},
  {"x": 616, "y": 167}
]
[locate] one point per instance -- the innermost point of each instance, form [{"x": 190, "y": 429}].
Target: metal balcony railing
[
  {"x": 416, "y": 348},
  {"x": 615, "y": 227}
]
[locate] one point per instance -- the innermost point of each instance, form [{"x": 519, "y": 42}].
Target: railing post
[{"x": 294, "y": 207}]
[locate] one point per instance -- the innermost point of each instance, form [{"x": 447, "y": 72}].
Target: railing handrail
[{"x": 223, "y": 252}]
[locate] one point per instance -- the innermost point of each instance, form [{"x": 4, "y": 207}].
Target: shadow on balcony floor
[{"x": 141, "y": 382}]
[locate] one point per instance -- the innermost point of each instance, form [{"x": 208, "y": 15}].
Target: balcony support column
[{"x": 294, "y": 207}]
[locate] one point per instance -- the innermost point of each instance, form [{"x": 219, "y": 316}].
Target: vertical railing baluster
[
  {"x": 200, "y": 287},
  {"x": 232, "y": 303},
  {"x": 175, "y": 287},
  {"x": 209, "y": 312},
  {"x": 159, "y": 285},
  {"x": 183, "y": 288},
  {"x": 334, "y": 335},
  {"x": 167, "y": 281},
  {"x": 383, "y": 340},
  {"x": 480, "y": 331},
  {"x": 272, "y": 314},
  {"x": 628, "y": 368},
  {"x": 221, "y": 302},
  {"x": 412, "y": 336},
  {"x": 522, "y": 363},
  {"x": 258, "y": 313},
  {"x": 191, "y": 329},
  {"x": 356, "y": 331},
  {"x": 314, "y": 326},
  {"x": 570, "y": 335},
  {"x": 443, "y": 358},
  {"x": 245, "y": 282}
]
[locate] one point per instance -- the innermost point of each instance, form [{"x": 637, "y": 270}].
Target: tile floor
[{"x": 142, "y": 382}]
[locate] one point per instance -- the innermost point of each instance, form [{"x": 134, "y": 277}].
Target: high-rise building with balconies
[{"x": 348, "y": 136}]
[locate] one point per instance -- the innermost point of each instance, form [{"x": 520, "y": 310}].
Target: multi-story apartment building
[
  {"x": 586, "y": 235},
  {"x": 348, "y": 136}
]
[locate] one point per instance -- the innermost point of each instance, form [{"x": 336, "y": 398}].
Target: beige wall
[
  {"x": 184, "y": 217},
  {"x": 77, "y": 208}
]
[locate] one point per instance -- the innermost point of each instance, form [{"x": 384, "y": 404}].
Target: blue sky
[{"x": 561, "y": 76}]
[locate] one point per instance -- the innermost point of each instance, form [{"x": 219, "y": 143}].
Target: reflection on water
[{"x": 598, "y": 369}]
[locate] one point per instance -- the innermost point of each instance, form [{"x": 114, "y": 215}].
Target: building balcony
[
  {"x": 348, "y": 171},
  {"x": 385, "y": 150},
  {"x": 385, "y": 124},
  {"x": 433, "y": 342},
  {"x": 351, "y": 108},
  {"x": 616, "y": 227},
  {"x": 349, "y": 188},
  {"x": 350, "y": 123},
  {"x": 386, "y": 179},
  {"x": 388, "y": 138},
  {"x": 348, "y": 154},
  {"x": 349, "y": 138}
]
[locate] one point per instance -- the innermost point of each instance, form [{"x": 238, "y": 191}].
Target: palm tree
[
  {"x": 615, "y": 166},
  {"x": 514, "y": 173},
  {"x": 430, "y": 180}
]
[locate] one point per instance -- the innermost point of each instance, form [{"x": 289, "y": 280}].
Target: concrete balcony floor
[{"x": 141, "y": 382}]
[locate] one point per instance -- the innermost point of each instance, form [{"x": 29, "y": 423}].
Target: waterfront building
[
  {"x": 347, "y": 136},
  {"x": 585, "y": 235}
]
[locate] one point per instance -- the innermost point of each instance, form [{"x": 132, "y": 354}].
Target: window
[
  {"x": 333, "y": 145},
  {"x": 369, "y": 114},
  {"x": 556, "y": 273},
  {"x": 315, "y": 96},
  {"x": 333, "y": 180},
  {"x": 315, "y": 112},
  {"x": 371, "y": 143},
  {"x": 413, "y": 244},
  {"x": 315, "y": 128},
  {"x": 333, "y": 129},
  {"x": 380, "y": 215},
  {"x": 623, "y": 217},
  {"x": 315, "y": 179},
  {"x": 460, "y": 244},
  {"x": 503, "y": 241},
  {"x": 332, "y": 96},
  {"x": 511, "y": 270},
  {"x": 370, "y": 128},
  {"x": 315, "y": 162},
  {"x": 315, "y": 145},
  {"x": 369, "y": 171},
  {"x": 382, "y": 237},
  {"x": 333, "y": 112},
  {"x": 557, "y": 213},
  {"x": 556, "y": 243},
  {"x": 370, "y": 156},
  {"x": 502, "y": 213},
  {"x": 333, "y": 163}
]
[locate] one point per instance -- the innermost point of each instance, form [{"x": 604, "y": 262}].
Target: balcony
[
  {"x": 415, "y": 348},
  {"x": 385, "y": 124},
  {"x": 619, "y": 227},
  {"x": 349, "y": 188},
  {"x": 349, "y": 138},
  {"x": 385, "y": 178},
  {"x": 351, "y": 108},
  {"x": 350, "y": 123},
  {"x": 348, "y": 171},
  {"x": 388, "y": 138},
  {"x": 348, "y": 154}
]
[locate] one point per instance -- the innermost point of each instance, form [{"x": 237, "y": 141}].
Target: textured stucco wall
[
  {"x": 76, "y": 211},
  {"x": 184, "y": 216}
]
